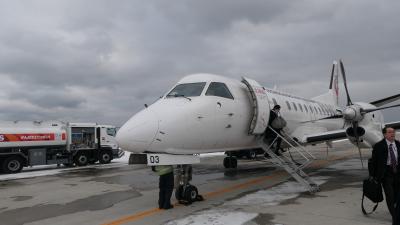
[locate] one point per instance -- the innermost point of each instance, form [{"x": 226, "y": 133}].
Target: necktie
[{"x": 393, "y": 160}]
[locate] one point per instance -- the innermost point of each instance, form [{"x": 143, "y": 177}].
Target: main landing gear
[
  {"x": 230, "y": 161},
  {"x": 185, "y": 193}
]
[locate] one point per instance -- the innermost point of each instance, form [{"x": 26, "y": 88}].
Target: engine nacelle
[{"x": 369, "y": 129}]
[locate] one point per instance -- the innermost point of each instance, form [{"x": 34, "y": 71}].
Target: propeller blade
[
  {"x": 371, "y": 110},
  {"x": 355, "y": 129},
  {"x": 385, "y": 101},
  {"x": 325, "y": 118},
  {"x": 332, "y": 73},
  {"x": 349, "y": 102}
]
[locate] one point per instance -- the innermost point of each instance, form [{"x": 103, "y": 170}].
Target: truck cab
[{"x": 93, "y": 142}]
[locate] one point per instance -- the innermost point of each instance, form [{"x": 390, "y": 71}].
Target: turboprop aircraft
[{"x": 206, "y": 113}]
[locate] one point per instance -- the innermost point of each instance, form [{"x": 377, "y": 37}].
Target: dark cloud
[{"x": 100, "y": 61}]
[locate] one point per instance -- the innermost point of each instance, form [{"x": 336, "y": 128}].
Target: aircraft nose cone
[{"x": 138, "y": 133}]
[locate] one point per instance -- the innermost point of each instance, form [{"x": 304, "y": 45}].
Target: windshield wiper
[{"x": 183, "y": 96}]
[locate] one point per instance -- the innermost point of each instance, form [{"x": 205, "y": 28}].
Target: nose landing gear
[{"x": 186, "y": 193}]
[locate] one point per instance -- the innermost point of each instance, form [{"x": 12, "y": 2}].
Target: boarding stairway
[{"x": 291, "y": 165}]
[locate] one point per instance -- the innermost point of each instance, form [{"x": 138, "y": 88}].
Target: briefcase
[{"x": 373, "y": 191}]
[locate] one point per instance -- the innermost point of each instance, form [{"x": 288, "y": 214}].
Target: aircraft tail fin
[{"x": 332, "y": 96}]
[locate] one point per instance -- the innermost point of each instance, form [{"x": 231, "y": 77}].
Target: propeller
[{"x": 352, "y": 114}]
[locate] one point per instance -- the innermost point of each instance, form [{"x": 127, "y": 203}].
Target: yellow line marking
[{"x": 277, "y": 174}]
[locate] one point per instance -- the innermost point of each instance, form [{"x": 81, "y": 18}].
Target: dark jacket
[
  {"x": 379, "y": 159},
  {"x": 272, "y": 116}
]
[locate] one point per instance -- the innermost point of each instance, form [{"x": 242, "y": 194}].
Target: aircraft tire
[
  {"x": 191, "y": 193},
  {"x": 251, "y": 154}
]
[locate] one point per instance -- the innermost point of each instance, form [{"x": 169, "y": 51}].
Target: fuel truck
[{"x": 30, "y": 143}]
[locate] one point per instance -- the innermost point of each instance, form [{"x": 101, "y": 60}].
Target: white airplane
[{"x": 206, "y": 113}]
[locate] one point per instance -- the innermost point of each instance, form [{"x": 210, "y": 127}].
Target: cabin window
[
  {"x": 331, "y": 109},
  {"x": 288, "y": 105},
  {"x": 187, "y": 90},
  {"x": 323, "y": 109},
  {"x": 219, "y": 89},
  {"x": 326, "y": 110},
  {"x": 294, "y": 106},
  {"x": 301, "y": 108},
  {"x": 305, "y": 108}
]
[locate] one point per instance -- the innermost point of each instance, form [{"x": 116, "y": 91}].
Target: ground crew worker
[{"x": 166, "y": 185}]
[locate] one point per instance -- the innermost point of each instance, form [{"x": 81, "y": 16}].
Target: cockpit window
[
  {"x": 187, "y": 90},
  {"x": 219, "y": 89}
]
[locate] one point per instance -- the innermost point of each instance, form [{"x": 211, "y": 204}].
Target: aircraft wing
[
  {"x": 395, "y": 125},
  {"x": 326, "y": 136},
  {"x": 338, "y": 134}
]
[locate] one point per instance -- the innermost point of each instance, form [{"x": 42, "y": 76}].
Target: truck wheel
[
  {"x": 81, "y": 159},
  {"x": 105, "y": 157},
  {"x": 12, "y": 164}
]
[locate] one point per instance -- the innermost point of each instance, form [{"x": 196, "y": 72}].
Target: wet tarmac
[{"x": 128, "y": 194}]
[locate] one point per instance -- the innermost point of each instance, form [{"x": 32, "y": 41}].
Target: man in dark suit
[{"x": 385, "y": 161}]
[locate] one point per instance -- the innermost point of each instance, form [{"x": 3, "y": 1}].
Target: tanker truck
[{"x": 30, "y": 143}]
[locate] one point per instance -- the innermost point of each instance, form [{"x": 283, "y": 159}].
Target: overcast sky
[{"x": 101, "y": 61}]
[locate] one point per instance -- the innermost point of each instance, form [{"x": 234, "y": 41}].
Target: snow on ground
[
  {"x": 351, "y": 164},
  {"x": 230, "y": 212},
  {"x": 274, "y": 195},
  {"x": 216, "y": 217}
]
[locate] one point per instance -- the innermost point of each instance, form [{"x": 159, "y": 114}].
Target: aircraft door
[{"x": 260, "y": 104}]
